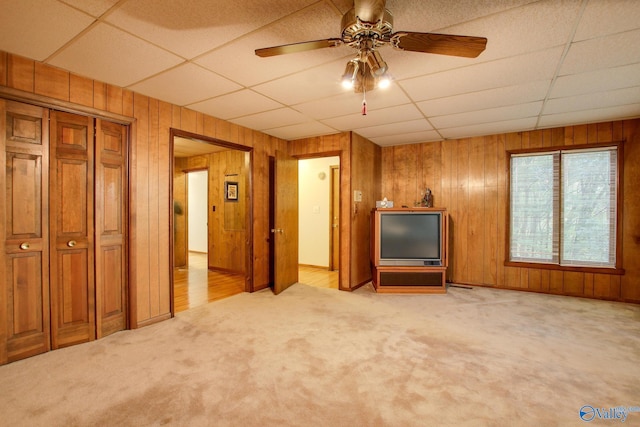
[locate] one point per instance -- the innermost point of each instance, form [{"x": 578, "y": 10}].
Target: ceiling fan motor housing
[{"x": 355, "y": 28}]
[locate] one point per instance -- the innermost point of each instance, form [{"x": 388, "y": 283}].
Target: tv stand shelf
[
  {"x": 409, "y": 251},
  {"x": 424, "y": 280}
]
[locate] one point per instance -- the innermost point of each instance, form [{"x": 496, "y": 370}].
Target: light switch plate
[{"x": 357, "y": 196}]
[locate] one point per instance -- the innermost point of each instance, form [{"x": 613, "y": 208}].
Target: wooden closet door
[
  {"x": 71, "y": 230},
  {"x": 110, "y": 220},
  {"x": 24, "y": 270}
]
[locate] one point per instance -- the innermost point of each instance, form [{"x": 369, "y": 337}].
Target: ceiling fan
[{"x": 368, "y": 26}]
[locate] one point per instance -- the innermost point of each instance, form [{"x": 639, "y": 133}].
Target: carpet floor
[{"x": 321, "y": 357}]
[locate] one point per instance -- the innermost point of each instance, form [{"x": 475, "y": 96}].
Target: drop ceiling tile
[
  {"x": 301, "y": 130},
  {"x": 405, "y": 65},
  {"x": 407, "y": 138},
  {"x": 333, "y": 106},
  {"x": 237, "y": 60},
  {"x": 418, "y": 15},
  {"x": 488, "y": 115},
  {"x": 112, "y": 56},
  {"x": 349, "y": 102},
  {"x": 92, "y": 7},
  {"x": 271, "y": 119},
  {"x": 411, "y": 126},
  {"x": 490, "y": 98},
  {"x": 490, "y": 128},
  {"x": 56, "y": 24},
  {"x": 500, "y": 73},
  {"x": 236, "y": 104},
  {"x": 317, "y": 82},
  {"x": 510, "y": 31},
  {"x": 604, "y": 52},
  {"x": 592, "y": 101},
  {"x": 400, "y": 113},
  {"x": 185, "y": 84},
  {"x": 596, "y": 81},
  {"x": 590, "y": 116},
  {"x": 192, "y": 27},
  {"x": 601, "y": 18}
]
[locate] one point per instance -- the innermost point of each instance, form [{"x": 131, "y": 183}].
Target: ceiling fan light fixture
[
  {"x": 376, "y": 63},
  {"x": 384, "y": 81},
  {"x": 350, "y": 73}
]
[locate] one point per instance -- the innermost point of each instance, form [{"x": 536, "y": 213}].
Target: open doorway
[
  {"x": 211, "y": 223},
  {"x": 319, "y": 221},
  {"x": 197, "y": 202}
]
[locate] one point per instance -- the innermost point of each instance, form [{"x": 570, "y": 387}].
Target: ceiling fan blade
[
  {"x": 298, "y": 47},
  {"x": 442, "y": 44}
]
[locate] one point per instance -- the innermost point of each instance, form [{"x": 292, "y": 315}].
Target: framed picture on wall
[{"x": 231, "y": 191}]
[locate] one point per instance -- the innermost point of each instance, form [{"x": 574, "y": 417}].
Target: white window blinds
[
  {"x": 563, "y": 207},
  {"x": 534, "y": 191},
  {"x": 589, "y": 207}
]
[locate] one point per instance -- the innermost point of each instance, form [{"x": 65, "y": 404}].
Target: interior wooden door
[
  {"x": 24, "y": 270},
  {"x": 71, "y": 229},
  {"x": 285, "y": 231},
  {"x": 110, "y": 227},
  {"x": 334, "y": 212}
]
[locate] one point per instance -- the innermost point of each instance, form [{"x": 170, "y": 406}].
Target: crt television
[{"x": 409, "y": 237}]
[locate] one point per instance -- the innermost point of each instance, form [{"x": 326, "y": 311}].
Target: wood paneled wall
[
  {"x": 227, "y": 224},
  {"x": 180, "y": 168},
  {"x": 151, "y": 121},
  {"x": 468, "y": 177}
]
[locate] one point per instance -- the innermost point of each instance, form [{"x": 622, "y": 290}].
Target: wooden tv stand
[{"x": 428, "y": 279}]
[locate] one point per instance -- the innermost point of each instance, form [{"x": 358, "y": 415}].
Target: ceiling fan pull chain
[{"x": 364, "y": 101}]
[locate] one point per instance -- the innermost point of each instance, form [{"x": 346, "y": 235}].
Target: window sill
[{"x": 542, "y": 266}]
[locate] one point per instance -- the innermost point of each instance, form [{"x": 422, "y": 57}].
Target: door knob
[
  {"x": 71, "y": 243},
  {"x": 277, "y": 230},
  {"x": 24, "y": 246}
]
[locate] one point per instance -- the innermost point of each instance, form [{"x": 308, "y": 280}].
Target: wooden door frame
[
  {"x": 340, "y": 154},
  {"x": 332, "y": 210},
  {"x": 186, "y": 210},
  {"x": 248, "y": 273}
]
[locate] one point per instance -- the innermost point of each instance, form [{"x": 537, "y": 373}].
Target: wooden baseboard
[{"x": 323, "y": 267}]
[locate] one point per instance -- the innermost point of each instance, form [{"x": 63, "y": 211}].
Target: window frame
[{"x": 617, "y": 270}]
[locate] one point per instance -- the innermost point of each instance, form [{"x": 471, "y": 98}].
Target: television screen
[{"x": 410, "y": 238}]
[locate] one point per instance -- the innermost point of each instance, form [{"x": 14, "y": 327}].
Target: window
[{"x": 563, "y": 207}]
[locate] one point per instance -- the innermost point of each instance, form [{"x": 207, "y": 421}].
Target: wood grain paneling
[
  {"x": 21, "y": 74},
  {"x": 56, "y": 83},
  {"x": 3, "y": 68},
  {"x": 474, "y": 189},
  {"x": 180, "y": 212},
  {"x": 81, "y": 90},
  {"x": 227, "y": 224}
]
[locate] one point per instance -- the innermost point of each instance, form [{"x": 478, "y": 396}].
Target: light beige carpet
[{"x": 321, "y": 357}]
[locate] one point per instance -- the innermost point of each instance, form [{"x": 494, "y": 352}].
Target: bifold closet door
[
  {"x": 111, "y": 231},
  {"x": 71, "y": 229},
  {"x": 24, "y": 270}
]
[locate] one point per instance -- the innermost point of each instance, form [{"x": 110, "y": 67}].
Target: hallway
[{"x": 197, "y": 285}]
